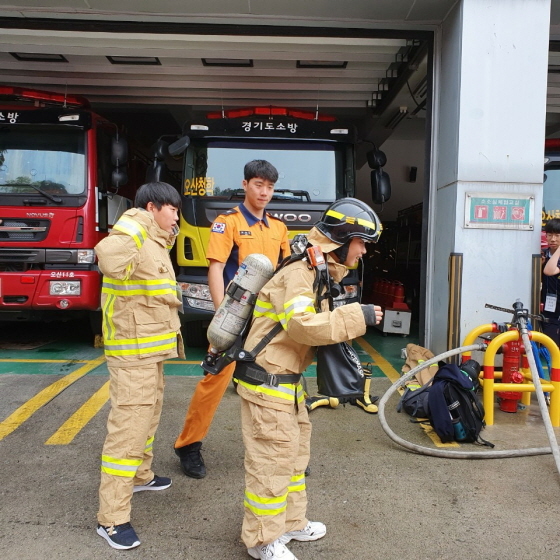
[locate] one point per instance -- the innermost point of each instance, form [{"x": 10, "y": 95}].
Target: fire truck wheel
[
  {"x": 95, "y": 322},
  {"x": 194, "y": 334}
]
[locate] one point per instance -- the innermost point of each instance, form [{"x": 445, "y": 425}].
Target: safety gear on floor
[
  {"x": 192, "y": 462},
  {"x": 313, "y": 531},
  {"x": 121, "y": 537},
  {"x": 315, "y": 402},
  {"x": 273, "y": 551},
  {"x": 347, "y": 218}
]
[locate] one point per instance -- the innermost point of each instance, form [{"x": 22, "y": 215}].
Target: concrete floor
[{"x": 377, "y": 499}]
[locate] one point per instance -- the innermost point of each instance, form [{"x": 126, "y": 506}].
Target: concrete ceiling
[{"x": 383, "y": 44}]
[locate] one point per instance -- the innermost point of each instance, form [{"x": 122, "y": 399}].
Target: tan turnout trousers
[
  {"x": 136, "y": 401},
  {"x": 277, "y": 448}
]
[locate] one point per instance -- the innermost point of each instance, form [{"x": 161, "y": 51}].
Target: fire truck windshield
[
  {"x": 49, "y": 160},
  {"x": 215, "y": 167}
]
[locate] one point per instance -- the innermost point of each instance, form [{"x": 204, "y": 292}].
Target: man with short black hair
[
  {"x": 243, "y": 230},
  {"x": 141, "y": 329}
]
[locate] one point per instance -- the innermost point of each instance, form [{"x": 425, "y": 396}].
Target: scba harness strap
[{"x": 247, "y": 370}]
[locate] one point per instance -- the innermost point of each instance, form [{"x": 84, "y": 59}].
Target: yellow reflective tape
[
  {"x": 299, "y": 307},
  {"x": 118, "y": 461},
  {"x": 266, "y": 500},
  {"x": 260, "y": 505},
  {"x": 284, "y": 391},
  {"x": 116, "y": 472},
  {"x": 297, "y": 483},
  {"x": 108, "y": 326},
  {"x": 259, "y": 511},
  {"x": 123, "y": 292},
  {"x": 351, "y": 220},
  {"x": 132, "y": 228}
]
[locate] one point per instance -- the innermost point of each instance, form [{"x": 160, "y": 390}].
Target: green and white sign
[{"x": 499, "y": 211}]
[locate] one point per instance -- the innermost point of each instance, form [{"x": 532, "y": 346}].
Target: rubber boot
[
  {"x": 365, "y": 402},
  {"x": 315, "y": 402}
]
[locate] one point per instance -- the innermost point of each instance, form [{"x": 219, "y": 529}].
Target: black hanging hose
[{"x": 450, "y": 454}]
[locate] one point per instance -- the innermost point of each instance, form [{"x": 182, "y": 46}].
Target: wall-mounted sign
[{"x": 499, "y": 211}]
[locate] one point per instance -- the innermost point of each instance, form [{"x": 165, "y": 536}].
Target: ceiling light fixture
[
  {"x": 228, "y": 62},
  {"x": 139, "y": 60},
  {"x": 322, "y": 64},
  {"x": 38, "y": 57}
]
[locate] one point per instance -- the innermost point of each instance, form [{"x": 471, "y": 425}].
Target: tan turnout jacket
[
  {"x": 140, "y": 298},
  {"x": 288, "y": 297}
]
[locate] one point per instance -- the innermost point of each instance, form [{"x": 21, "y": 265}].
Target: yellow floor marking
[
  {"x": 189, "y": 362},
  {"x": 27, "y": 409},
  {"x": 72, "y": 427},
  {"x": 391, "y": 373},
  {"x": 48, "y": 361}
]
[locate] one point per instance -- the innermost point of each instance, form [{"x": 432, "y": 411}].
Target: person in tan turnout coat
[
  {"x": 275, "y": 425},
  {"x": 141, "y": 329}
]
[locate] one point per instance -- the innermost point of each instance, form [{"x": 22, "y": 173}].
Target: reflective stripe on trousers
[
  {"x": 276, "y": 444},
  {"x": 136, "y": 400}
]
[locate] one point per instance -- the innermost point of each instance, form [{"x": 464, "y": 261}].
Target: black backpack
[
  {"x": 456, "y": 412},
  {"x": 415, "y": 401}
]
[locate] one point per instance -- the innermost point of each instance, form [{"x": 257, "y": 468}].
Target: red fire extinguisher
[{"x": 512, "y": 354}]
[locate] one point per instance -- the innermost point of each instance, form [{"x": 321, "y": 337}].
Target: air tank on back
[{"x": 237, "y": 306}]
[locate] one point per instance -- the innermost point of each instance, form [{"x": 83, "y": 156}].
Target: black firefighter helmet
[{"x": 347, "y": 218}]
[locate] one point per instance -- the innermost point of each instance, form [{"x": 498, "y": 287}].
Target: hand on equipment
[{"x": 372, "y": 314}]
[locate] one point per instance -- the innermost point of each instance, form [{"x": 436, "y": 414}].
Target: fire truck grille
[{"x": 21, "y": 229}]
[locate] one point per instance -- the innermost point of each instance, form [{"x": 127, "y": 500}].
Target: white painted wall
[{"x": 493, "y": 59}]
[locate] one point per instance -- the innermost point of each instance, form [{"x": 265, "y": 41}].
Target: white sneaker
[
  {"x": 274, "y": 551},
  {"x": 313, "y": 531}
]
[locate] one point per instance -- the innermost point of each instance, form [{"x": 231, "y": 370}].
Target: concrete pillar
[{"x": 490, "y": 82}]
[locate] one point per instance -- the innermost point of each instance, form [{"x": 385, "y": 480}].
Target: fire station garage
[
  {"x": 433, "y": 112},
  {"x": 413, "y": 79}
]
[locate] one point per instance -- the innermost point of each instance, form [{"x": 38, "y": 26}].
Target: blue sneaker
[
  {"x": 121, "y": 537},
  {"x": 157, "y": 483}
]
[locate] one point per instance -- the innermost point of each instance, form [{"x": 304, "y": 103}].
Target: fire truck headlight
[
  {"x": 65, "y": 288},
  {"x": 197, "y": 295},
  {"x": 86, "y": 256}
]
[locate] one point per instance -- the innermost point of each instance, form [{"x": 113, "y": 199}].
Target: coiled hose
[{"x": 494, "y": 454}]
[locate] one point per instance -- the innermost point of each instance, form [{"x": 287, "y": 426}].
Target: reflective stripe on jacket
[
  {"x": 288, "y": 298},
  {"x": 139, "y": 297}
]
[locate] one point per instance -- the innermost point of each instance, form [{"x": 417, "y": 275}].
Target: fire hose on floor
[{"x": 494, "y": 454}]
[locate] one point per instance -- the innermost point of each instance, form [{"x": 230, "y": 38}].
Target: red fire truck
[{"x": 61, "y": 169}]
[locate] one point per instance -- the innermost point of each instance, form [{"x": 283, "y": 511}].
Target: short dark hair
[
  {"x": 552, "y": 226},
  {"x": 262, "y": 169},
  {"x": 159, "y": 193}
]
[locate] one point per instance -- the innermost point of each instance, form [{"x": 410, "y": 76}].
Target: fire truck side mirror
[
  {"x": 160, "y": 150},
  {"x": 376, "y": 159},
  {"x": 154, "y": 171},
  {"x": 179, "y": 146},
  {"x": 380, "y": 186},
  {"x": 119, "y": 151},
  {"x": 119, "y": 177}
]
